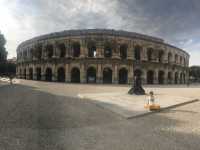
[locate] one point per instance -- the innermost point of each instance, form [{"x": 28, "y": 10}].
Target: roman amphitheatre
[{"x": 101, "y": 56}]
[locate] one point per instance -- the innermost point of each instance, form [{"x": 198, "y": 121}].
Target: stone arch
[
  {"x": 62, "y": 50},
  {"x": 61, "y": 74},
  {"x": 48, "y": 74},
  {"x": 91, "y": 49},
  {"x": 169, "y": 57},
  {"x": 107, "y": 75},
  {"x": 137, "y": 54},
  {"x": 31, "y": 73},
  {"x": 76, "y": 49},
  {"x": 75, "y": 75},
  {"x": 123, "y": 51},
  {"x": 38, "y": 73},
  {"x": 150, "y": 77},
  {"x": 108, "y": 50},
  {"x": 49, "y": 49},
  {"x": 161, "y": 56},
  {"x": 169, "y": 77},
  {"x": 161, "y": 77},
  {"x": 176, "y": 78},
  {"x": 91, "y": 75},
  {"x": 123, "y": 76},
  {"x": 150, "y": 54}
]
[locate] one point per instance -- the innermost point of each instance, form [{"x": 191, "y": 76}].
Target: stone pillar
[
  {"x": 130, "y": 74},
  {"x": 34, "y": 73},
  {"x": 116, "y": 50},
  {"x": 43, "y": 73},
  {"x": 83, "y": 75},
  {"x": 54, "y": 72},
  {"x": 82, "y": 49},
  {"x": 99, "y": 50},
  {"x": 144, "y": 54},
  {"x": 130, "y": 53},
  {"x": 67, "y": 73},
  {"x": 144, "y": 76},
  {"x": 115, "y": 74},
  {"x": 99, "y": 73},
  {"x": 155, "y": 76}
]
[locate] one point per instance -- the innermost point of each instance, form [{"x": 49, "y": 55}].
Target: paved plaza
[{"x": 53, "y": 116}]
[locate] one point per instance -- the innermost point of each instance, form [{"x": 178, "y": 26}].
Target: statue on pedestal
[{"x": 137, "y": 87}]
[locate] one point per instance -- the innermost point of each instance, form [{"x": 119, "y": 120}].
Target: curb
[{"x": 163, "y": 109}]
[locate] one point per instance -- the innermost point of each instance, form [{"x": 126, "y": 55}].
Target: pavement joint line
[{"x": 163, "y": 109}]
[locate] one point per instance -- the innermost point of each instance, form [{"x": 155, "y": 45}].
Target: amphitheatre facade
[{"x": 101, "y": 56}]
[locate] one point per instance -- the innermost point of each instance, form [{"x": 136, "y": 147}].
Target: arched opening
[
  {"x": 107, "y": 75},
  {"x": 62, "y": 50},
  {"x": 176, "y": 78},
  {"x": 76, "y": 49},
  {"x": 176, "y": 58},
  {"x": 91, "y": 75},
  {"x": 91, "y": 49},
  {"x": 137, "y": 53},
  {"x": 48, "y": 74},
  {"x": 184, "y": 78},
  {"x": 38, "y": 72},
  {"x": 31, "y": 73},
  {"x": 75, "y": 75},
  {"x": 161, "y": 75},
  {"x": 160, "y": 56},
  {"x": 123, "y": 51},
  {"x": 108, "y": 50},
  {"x": 123, "y": 76},
  {"x": 150, "y": 54},
  {"x": 61, "y": 74},
  {"x": 150, "y": 77},
  {"x": 169, "y": 78},
  {"x": 169, "y": 57},
  {"x": 49, "y": 49},
  {"x": 25, "y": 73},
  {"x": 181, "y": 78}
]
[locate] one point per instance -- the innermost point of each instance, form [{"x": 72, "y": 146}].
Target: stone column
[
  {"x": 115, "y": 74},
  {"x": 116, "y": 50},
  {"x": 130, "y": 74},
  {"x": 144, "y": 76},
  {"x": 54, "y": 72},
  {"x": 82, "y": 49},
  {"x": 99, "y": 73},
  {"x": 156, "y": 76},
  {"x": 83, "y": 73},
  {"x": 130, "y": 53},
  {"x": 67, "y": 73},
  {"x": 43, "y": 73},
  {"x": 34, "y": 73}
]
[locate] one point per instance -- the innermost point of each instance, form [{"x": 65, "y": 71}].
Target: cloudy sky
[{"x": 176, "y": 21}]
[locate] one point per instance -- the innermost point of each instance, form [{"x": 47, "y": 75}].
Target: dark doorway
[
  {"x": 61, "y": 74},
  {"x": 31, "y": 73},
  {"x": 24, "y": 73},
  {"x": 160, "y": 56},
  {"x": 150, "y": 77},
  {"x": 48, "y": 75},
  {"x": 62, "y": 50},
  {"x": 75, "y": 75},
  {"x": 169, "y": 77},
  {"x": 123, "y": 51},
  {"x": 137, "y": 53},
  {"x": 161, "y": 77},
  {"x": 150, "y": 54},
  {"x": 38, "y": 72},
  {"x": 123, "y": 76},
  {"x": 107, "y": 75},
  {"x": 176, "y": 78},
  {"x": 76, "y": 49},
  {"x": 91, "y": 75},
  {"x": 49, "y": 49}
]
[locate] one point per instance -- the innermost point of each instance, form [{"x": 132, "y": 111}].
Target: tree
[{"x": 3, "y": 52}]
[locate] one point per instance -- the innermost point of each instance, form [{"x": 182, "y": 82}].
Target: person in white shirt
[{"x": 151, "y": 99}]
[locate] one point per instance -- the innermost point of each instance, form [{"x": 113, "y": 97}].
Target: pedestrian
[{"x": 151, "y": 99}]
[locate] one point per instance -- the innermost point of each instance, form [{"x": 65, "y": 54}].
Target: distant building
[
  {"x": 12, "y": 60},
  {"x": 101, "y": 56}
]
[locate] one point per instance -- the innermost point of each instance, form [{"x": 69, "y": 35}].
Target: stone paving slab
[{"x": 130, "y": 106}]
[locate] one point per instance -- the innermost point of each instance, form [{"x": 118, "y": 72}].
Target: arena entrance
[
  {"x": 107, "y": 75},
  {"x": 48, "y": 75},
  {"x": 31, "y": 73},
  {"x": 123, "y": 76},
  {"x": 38, "y": 72},
  {"x": 91, "y": 75},
  {"x": 61, "y": 74},
  {"x": 150, "y": 77},
  {"x": 75, "y": 75},
  {"x": 161, "y": 77}
]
